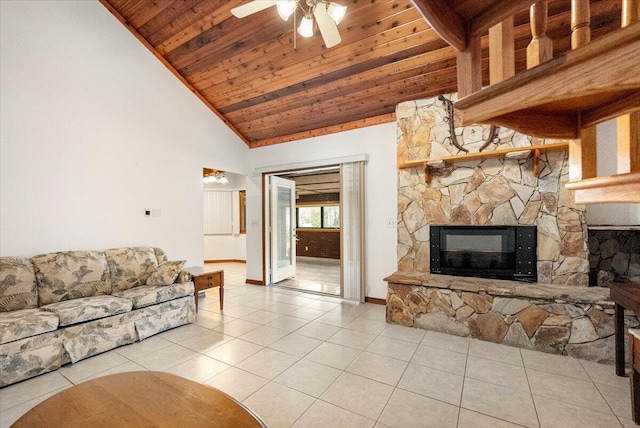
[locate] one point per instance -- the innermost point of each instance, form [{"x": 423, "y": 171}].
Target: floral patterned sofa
[{"x": 63, "y": 307}]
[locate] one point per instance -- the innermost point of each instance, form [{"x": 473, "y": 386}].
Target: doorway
[
  {"x": 224, "y": 219},
  {"x": 316, "y": 221},
  {"x": 321, "y": 215}
]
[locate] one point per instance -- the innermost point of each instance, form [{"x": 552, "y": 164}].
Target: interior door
[{"x": 283, "y": 229}]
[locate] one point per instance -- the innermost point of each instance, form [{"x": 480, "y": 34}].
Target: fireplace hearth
[{"x": 500, "y": 252}]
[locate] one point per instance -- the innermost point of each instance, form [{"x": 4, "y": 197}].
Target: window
[
  {"x": 319, "y": 217},
  {"x": 331, "y": 216},
  {"x": 243, "y": 211},
  {"x": 309, "y": 217}
]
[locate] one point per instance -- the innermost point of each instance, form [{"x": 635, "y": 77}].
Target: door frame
[
  {"x": 266, "y": 217},
  {"x": 265, "y": 172}
]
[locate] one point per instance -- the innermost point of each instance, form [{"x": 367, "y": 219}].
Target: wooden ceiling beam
[
  {"x": 444, "y": 21},
  {"x": 168, "y": 65}
]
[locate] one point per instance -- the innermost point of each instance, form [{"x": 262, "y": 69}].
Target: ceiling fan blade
[
  {"x": 252, "y": 7},
  {"x": 327, "y": 26}
]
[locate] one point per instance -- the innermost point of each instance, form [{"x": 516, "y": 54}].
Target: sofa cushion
[
  {"x": 131, "y": 266},
  {"x": 70, "y": 275},
  {"x": 88, "y": 308},
  {"x": 151, "y": 294},
  {"x": 166, "y": 273},
  {"x": 17, "y": 284},
  {"x": 31, "y": 356},
  {"x": 24, "y": 323},
  {"x": 160, "y": 255},
  {"x": 94, "y": 337}
]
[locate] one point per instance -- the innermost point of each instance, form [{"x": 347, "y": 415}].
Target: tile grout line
[
  {"x": 464, "y": 378},
  {"x": 526, "y": 374}
]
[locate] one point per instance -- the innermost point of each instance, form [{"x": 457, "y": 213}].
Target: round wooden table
[{"x": 140, "y": 399}]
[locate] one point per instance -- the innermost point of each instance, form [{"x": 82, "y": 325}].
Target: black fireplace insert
[{"x": 502, "y": 252}]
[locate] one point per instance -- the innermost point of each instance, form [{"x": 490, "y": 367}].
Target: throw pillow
[{"x": 166, "y": 273}]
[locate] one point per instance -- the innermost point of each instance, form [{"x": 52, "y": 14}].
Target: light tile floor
[
  {"x": 315, "y": 274},
  {"x": 307, "y": 360}
]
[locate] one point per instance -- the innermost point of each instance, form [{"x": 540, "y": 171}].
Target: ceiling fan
[{"x": 327, "y": 14}]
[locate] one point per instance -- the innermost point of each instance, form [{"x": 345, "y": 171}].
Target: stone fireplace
[
  {"x": 559, "y": 313},
  {"x": 493, "y": 191}
]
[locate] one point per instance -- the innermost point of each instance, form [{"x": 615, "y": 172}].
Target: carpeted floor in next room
[{"x": 307, "y": 360}]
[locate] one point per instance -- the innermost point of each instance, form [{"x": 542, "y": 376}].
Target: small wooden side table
[{"x": 204, "y": 280}]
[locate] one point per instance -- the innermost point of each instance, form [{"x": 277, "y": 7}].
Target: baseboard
[
  {"x": 375, "y": 300},
  {"x": 254, "y": 282},
  {"x": 226, "y": 261}
]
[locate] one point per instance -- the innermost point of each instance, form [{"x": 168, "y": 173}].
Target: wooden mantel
[{"x": 535, "y": 150}]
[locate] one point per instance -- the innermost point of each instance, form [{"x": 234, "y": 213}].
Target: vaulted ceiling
[{"x": 249, "y": 74}]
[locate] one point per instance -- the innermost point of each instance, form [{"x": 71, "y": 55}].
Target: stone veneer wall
[
  {"x": 580, "y": 323},
  {"x": 616, "y": 252},
  {"x": 496, "y": 191}
]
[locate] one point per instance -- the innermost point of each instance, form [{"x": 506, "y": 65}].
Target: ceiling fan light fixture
[
  {"x": 336, "y": 12},
  {"x": 306, "y": 27},
  {"x": 286, "y": 9}
]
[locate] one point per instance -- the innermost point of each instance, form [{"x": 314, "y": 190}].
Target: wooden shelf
[
  {"x": 613, "y": 188},
  {"x": 485, "y": 155},
  {"x": 585, "y": 86},
  {"x": 536, "y": 150}
]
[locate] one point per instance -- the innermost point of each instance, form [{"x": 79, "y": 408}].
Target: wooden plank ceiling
[
  {"x": 248, "y": 73},
  {"x": 315, "y": 182}
]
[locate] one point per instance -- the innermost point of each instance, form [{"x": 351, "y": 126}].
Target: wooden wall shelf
[
  {"x": 555, "y": 99},
  {"x": 536, "y": 150},
  {"x": 613, "y": 188}
]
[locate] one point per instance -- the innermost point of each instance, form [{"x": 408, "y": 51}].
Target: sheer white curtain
[{"x": 352, "y": 224}]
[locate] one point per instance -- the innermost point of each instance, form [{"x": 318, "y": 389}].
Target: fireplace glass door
[
  {"x": 466, "y": 249},
  {"x": 484, "y": 251}
]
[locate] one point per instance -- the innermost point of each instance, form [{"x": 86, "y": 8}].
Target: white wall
[
  {"x": 379, "y": 142},
  {"x": 232, "y": 246},
  {"x": 610, "y": 214},
  {"x": 93, "y": 131}
]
